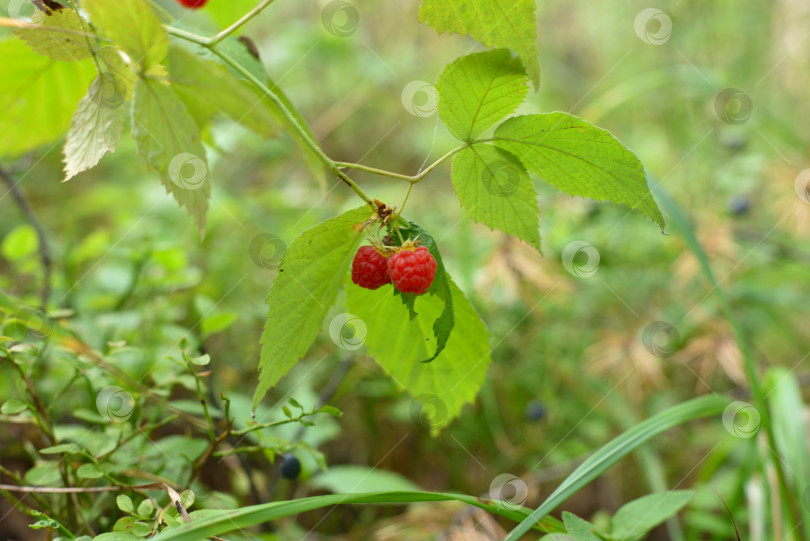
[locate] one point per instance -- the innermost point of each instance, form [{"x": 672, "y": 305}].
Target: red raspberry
[
  {"x": 412, "y": 270},
  {"x": 369, "y": 268},
  {"x": 193, "y": 4}
]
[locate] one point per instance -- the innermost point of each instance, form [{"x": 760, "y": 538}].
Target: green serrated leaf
[
  {"x": 578, "y": 158},
  {"x": 33, "y": 112},
  {"x": 96, "y": 126},
  {"x": 124, "y": 503},
  {"x": 478, "y": 90},
  {"x": 13, "y": 407},
  {"x": 398, "y": 343},
  {"x": 440, "y": 287},
  {"x": 168, "y": 140},
  {"x": 62, "y": 36},
  {"x": 633, "y": 520},
  {"x": 495, "y": 23},
  {"x": 578, "y": 528},
  {"x": 89, "y": 471},
  {"x": 496, "y": 190},
  {"x": 132, "y": 25},
  {"x": 311, "y": 273},
  {"x": 209, "y": 88}
]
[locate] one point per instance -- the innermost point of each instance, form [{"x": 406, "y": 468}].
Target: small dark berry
[
  {"x": 739, "y": 205},
  {"x": 535, "y": 411},
  {"x": 290, "y": 466}
]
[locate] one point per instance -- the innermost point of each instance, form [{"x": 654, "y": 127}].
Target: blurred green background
[{"x": 570, "y": 367}]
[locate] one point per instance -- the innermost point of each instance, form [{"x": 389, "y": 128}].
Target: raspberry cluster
[
  {"x": 192, "y": 4},
  {"x": 411, "y": 268}
]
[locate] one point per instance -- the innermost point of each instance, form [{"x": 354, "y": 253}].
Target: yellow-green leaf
[
  {"x": 96, "y": 127},
  {"x": 63, "y": 35},
  {"x": 37, "y": 96},
  {"x": 133, "y": 26}
]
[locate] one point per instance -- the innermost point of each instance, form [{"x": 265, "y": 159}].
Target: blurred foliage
[{"x": 132, "y": 276}]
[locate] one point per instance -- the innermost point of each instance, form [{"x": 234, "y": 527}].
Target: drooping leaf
[
  {"x": 210, "y": 88},
  {"x": 132, "y": 25},
  {"x": 495, "y": 23},
  {"x": 496, "y": 190},
  {"x": 398, "y": 343},
  {"x": 169, "y": 142},
  {"x": 96, "y": 127},
  {"x": 62, "y": 36},
  {"x": 478, "y": 90},
  {"x": 578, "y": 158},
  {"x": 633, "y": 520},
  {"x": 445, "y": 322},
  {"x": 312, "y": 271},
  {"x": 34, "y": 112}
]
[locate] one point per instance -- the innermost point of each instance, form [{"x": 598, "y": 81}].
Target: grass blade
[
  {"x": 256, "y": 514},
  {"x": 617, "y": 449}
]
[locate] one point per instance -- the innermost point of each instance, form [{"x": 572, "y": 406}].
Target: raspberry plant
[{"x": 87, "y": 66}]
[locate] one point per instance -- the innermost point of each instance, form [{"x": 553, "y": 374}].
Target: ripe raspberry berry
[
  {"x": 193, "y": 4},
  {"x": 412, "y": 269},
  {"x": 369, "y": 268}
]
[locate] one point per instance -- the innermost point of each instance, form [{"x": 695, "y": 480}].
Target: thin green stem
[
  {"x": 292, "y": 122},
  {"x": 413, "y": 179},
  {"x": 210, "y": 42}
]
